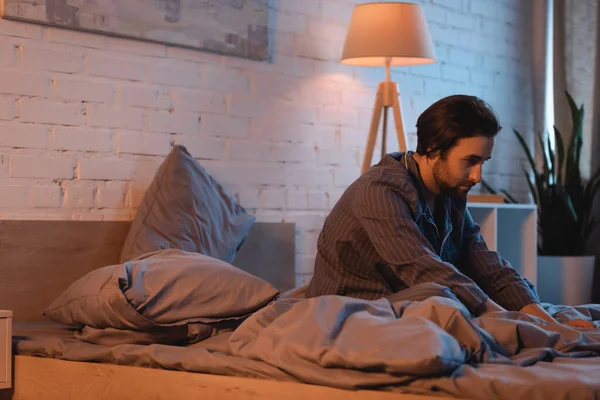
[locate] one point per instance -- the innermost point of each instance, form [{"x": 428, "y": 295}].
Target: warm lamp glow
[{"x": 393, "y": 32}]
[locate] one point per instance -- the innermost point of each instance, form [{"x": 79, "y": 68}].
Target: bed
[{"x": 565, "y": 365}]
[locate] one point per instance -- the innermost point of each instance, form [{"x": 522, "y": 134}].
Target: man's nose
[{"x": 475, "y": 174}]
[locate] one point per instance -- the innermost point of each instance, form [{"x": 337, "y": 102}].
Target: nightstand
[{"x": 5, "y": 348}]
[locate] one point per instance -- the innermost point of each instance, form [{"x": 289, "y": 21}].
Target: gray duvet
[{"x": 420, "y": 346}]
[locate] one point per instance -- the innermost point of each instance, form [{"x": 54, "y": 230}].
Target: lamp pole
[
  {"x": 386, "y": 104},
  {"x": 387, "y": 96}
]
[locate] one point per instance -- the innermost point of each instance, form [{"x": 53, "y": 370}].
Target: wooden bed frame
[{"x": 40, "y": 259}]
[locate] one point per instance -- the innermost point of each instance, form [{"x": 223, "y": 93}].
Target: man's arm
[
  {"x": 494, "y": 274},
  {"x": 397, "y": 239}
]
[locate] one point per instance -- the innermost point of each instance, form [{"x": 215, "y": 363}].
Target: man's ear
[{"x": 432, "y": 157}]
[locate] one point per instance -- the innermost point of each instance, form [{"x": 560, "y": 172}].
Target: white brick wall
[{"x": 86, "y": 119}]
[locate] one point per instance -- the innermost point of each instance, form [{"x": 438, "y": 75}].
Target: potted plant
[{"x": 565, "y": 215}]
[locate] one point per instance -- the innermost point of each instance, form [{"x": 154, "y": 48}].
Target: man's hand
[
  {"x": 538, "y": 311},
  {"x": 580, "y": 323}
]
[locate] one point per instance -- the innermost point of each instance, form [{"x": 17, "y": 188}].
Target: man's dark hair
[{"x": 452, "y": 118}]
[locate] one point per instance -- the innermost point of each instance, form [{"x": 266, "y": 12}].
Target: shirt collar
[{"x": 415, "y": 173}]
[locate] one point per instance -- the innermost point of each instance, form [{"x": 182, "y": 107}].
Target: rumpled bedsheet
[{"x": 419, "y": 345}]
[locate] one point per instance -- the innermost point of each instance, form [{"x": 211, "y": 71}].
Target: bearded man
[{"x": 404, "y": 225}]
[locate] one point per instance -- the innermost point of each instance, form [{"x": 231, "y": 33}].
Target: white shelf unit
[{"x": 511, "y": 230}]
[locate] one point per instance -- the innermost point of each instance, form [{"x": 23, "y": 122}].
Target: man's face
[{"x": 460, "y": 170}]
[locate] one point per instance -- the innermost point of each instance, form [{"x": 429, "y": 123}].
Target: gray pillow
[
  {"x": 96, "y": 300},
  {"x": 175, "y": 286},
  {"x": 160, "y": 289},
  {"x": 185, "y": 208}
]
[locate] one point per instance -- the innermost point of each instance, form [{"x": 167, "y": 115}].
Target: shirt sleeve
[
  {"x": 397, "y": 239},
  {"x": 494, "y": 274}
]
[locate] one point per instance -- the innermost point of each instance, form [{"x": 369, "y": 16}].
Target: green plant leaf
[
  {"x": 538, "y": 178},
  {"x": 576, "y": 127},
  {"x": 525, "y": 149},
  {"x": 573, "y": 176},
  {"x": 508, "y": 196},
  {"x": 560, "y": 155},
  {"x": 547, "y": 164},
  {"x": 487, "y": 187},
  {"x": 577, "y": 117},
  {"x": 531, "y": 188},
  {"x": 571, "y": 208},
  {"x": 552, "y": 160}
]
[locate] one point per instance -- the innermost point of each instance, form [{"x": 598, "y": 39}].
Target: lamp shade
[{"x": 397, "y": 31}]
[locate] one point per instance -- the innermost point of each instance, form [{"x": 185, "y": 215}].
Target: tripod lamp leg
[{"x": 376, "y": 117}]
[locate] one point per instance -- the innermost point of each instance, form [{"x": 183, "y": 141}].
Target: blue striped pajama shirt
[{"x": 381, "y": 238}]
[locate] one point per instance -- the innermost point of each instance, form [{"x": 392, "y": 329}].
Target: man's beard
[{"x": 444, "y": 181}]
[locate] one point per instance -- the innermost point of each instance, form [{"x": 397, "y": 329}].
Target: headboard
[{"x": 40, "y": 259}]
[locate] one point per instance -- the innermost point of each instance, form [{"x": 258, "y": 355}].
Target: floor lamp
[{"x": 387, "y": 34}]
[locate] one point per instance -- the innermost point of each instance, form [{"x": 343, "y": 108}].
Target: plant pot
[{"x": 566, "y": 280}]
